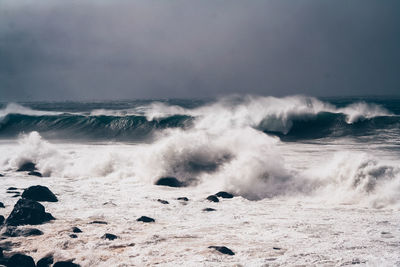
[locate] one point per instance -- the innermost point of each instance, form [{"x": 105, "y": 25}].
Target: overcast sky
[{"x": 81, "y": 50}]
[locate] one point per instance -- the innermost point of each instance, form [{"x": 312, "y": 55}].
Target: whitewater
[{"x": 316, "y": 181}]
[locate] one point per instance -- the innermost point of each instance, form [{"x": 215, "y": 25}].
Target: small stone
[
  {"x": 65, "y": 264},
  {"x": 209, "y": 209},
  {"x": 1, "y": 205},
  {"x": 183, "y": 198},
  {"x": 276, "y": 248},
  {"x": 169, "y": 181},
  {"x": 45, "y": 261},
  {"x": 109, "y": 236},
  {"x": 223, "y": 250},
  {"x": 145, "y": 219},
  {"x": 212, "y": 198},
  {"x": 1, "y": 175},
  {"x": 76, "y": 230},
  {"x": 13, "y": 231},
  {"x": 20, "y": 260},
  {"x": 39, "y": 193},
  {"x": 98, "y": 222},
  {"x": 16, "y": 195},
  {"x": 27, "y": 167},
  {"x": 73, "y": 236},
  {"x": 35, "y": 173},
  {"x": 224, "y": 194},
  {"x": 162, "y": 201}
]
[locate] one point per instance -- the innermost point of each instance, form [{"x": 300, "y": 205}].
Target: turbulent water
[{"x": 326, "y": 152}]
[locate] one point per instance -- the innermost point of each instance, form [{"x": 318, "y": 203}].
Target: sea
[{"x": 316, "y": 180}]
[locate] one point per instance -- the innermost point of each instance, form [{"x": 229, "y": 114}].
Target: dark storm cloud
[{"x": 156, "y": 49}]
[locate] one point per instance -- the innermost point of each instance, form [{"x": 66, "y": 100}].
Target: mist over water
[{"x": 335, "y": 151}]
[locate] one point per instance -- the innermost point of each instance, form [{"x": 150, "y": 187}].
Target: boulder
[
  {"x": 212, "y": 198},
  {"x": 109, "y": 236},
  {"x": 13, "y": 231},
  {"x": 34, "y": 173},
  {"x": 162, "y": 201},
  {"x": 169, "y": 181},
  {"x": 76, "y": 230},
  {"x": 224, "y": 194},
  {"x": 183, "y": 198},
  {"x": 65, "y": 264},
  {"x": 27, "y": 211},
  {"x": 145, "y": 219},
  {"x": 20, "y": 260},
  {"x": 27, "y": 167},
  {"x": 223, "y": 250},
  {"x": 45, "y": 261},
  {"x": 39, "y": 193}
]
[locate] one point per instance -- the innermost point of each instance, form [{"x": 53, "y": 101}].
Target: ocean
[{"x": 316, "y": 180}]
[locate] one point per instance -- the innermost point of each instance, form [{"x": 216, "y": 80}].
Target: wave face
[
  {"x": 330, "y": 151},
  {"x": 291, "y": 118}
]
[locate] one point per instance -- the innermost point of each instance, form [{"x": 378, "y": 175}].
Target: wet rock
[
  {"x": 27, "y": 211},
  {"x": 20, "y": 260},
  {"x": 27, "y": 167},
  {"x": 1, "y": 175},
  {"x": 1, "y": 219},
  {"x": 209, "y": 209},
  {"x": 1, "y": 205},
  {"x": 98, "y": 222},
  {"x": 109, "y": 236},
  {"x": 73, "y": 236},
  {"x": 169, "y": 181},
  {"x": 65, "y": 264},
  {"x": 16, "y": 195},
  {"x": 45, "y": 261},
  {"x": 13, "y": 231},
  {"x": 162, "y": 201},
  {"x": 76, "y": 230},
  {"x": 39, "y": 193},
  {"x": 223, "y": 250},
  {"x": 12, "y": 188},
  {"x": 38, "y": 174},
  {"x": 212, "y": 198},
  {"x": 224, "y": 194},
  {"x": 183, "y": 198},
  {"x": 145, "y": 219}
]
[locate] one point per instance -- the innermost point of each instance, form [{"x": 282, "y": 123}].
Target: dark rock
[
  {"x": 162, "y": 201},
  {"x": 224, "y": 194},
  {"x": 27, "y": 167},
  {"x": 16, "y": 195},
  {"x": 1, "y": 205},
  {"x": 1, "y": 219},
  {"x": 209, "y": 209},
  {"x": 65, "y": 264},
  {"x": 223, "y": 250},
  {"x": 27, "y": 211},
  {"x": 109, "y": 236},
  {"x": 20, "y": 260},
  {"x": 38, "y": 174},
  {"x": 39, "y": 193},
  {"x": 212, "y": 198},
  {"x": 276, "y": 248},
  {"x": 73, "y": 236},
  {"x": 45, "y": 261},
  {"x": 169, "y": 181},
  {"x": 1, "y": 175},
  {"x": 76, "y": 230},
  {"x": 13, "y": 192},
  {"x": 12, "y": 188},
  {"x": 13, "y": 231},
  {"x": 145, "y": 219},
  {"x": 98, "y": 222},
  {"x": 183, "y": 198}
]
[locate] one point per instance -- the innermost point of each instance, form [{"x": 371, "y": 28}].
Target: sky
[{"x": 98, "y": 49}]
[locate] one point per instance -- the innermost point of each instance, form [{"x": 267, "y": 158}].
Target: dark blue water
[{"x": 130, "y": 120}]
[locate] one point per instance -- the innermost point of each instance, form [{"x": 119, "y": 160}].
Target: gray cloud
[{"x": 56, "y": 50}]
